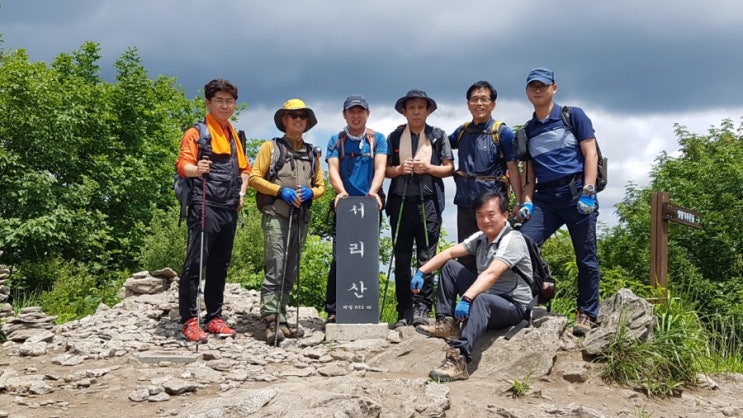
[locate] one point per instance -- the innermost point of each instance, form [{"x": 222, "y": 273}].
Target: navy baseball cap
[
  {"x": 543, "y": 75},
  {"x": 355, "y": 100}
]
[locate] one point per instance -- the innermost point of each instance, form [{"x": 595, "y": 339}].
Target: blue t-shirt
[
  {"x": 357, "y": 166},
  {"x": 479, "y": 156},
  {"x": 554, "y": 150}
]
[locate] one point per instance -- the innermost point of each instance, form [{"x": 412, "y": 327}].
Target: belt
[
  {"x": 562, "y": 181},
  {"x": 461, "y": 173}
]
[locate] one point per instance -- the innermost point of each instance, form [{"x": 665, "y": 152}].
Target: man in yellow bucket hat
[{"x": 287, "y": 176}]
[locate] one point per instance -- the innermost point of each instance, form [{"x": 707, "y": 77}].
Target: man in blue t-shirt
[
  {"x": 561, "y": 186},
  {"x": 357, "y": 158},
  {"x": 483, "y": 165}
]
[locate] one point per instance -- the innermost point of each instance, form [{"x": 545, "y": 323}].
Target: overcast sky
[{"x": 636, "y": 67}]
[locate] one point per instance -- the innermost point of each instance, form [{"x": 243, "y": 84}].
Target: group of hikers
[{"x": 483, "y": 280}]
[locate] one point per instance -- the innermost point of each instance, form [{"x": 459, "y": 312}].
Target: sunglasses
[{"x": 295, "y": 115}]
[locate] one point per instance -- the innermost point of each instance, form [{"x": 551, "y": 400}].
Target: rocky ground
[{"x": 129, "y": 360}]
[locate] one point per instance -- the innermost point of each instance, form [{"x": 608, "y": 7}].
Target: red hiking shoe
[
  {"x": 193, "y": 332},
  {"x": 217, "y": 327}
]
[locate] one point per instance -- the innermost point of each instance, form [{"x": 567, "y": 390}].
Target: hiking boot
[
  {"x": 193, "y": 332},
  {"x": 583, "y": 324},
  {"x": 290, "y": 332},
  {"x": 420, "y": 315},
  {"x": 453, "y": 368},
  {"x": 272, "y": 337},
  {"x": 445, "y": 327},
  {"x": 331, "y": 319},
  {"x": 217, "y": 327}
]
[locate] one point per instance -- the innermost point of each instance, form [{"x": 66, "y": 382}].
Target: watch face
[{"x": 588, "y": 188}]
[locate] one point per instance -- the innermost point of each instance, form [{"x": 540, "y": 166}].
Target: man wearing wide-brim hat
[
  {"x": 419, "y": 156},
  {"x": 285, "y": 189}
]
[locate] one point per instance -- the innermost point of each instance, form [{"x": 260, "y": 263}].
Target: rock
[
  {"x": 33, "y": 349},
  {"x": 623, "y": 309},
  {"x": 139, "y": 395},
  {"x": 39, "y": 387},
  {"x": 178, "y": 386},
  {"x": 301, "y": 378}
]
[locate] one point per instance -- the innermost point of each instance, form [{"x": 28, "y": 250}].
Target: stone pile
[
  {"x": 241, "y": 376},
  {"x": 4, "y": 288}
]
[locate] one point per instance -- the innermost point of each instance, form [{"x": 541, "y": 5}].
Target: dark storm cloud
[{"x": 633, "y": 56}]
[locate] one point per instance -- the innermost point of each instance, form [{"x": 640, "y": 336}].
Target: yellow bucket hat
[{"x": 294, "y": 104}]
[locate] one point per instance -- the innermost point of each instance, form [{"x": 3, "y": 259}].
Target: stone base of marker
[{"x": 354, "y": 332}]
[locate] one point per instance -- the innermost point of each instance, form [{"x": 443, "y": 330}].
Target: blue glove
[
  {"x": 462, "y": 311},
  {"x": 288, "y": 195},
  {"x": 586, "y": 204},
  {"x": 526, "y": 210},
  {"x": 417, "y": 281},
  {"x": 305, "y": 193}
]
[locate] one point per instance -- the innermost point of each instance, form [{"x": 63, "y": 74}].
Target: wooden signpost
[{"x": 662, "y": 211}]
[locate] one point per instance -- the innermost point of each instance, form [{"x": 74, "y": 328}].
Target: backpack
[
  {"x": 183, "y": 185},
  {"x": 542, "y": 286},
  {"x": 343, "y": 136},
  {"x": 279, "y": 157},
  {"x": 522, "y": 148},
  {"x": 495, "y": 131},
  {"x": 542, "y": 283}
]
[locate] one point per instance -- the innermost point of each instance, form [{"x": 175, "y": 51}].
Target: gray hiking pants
[
  {"x": 488, "y": 311},
  {"x": 278, "y": 282}
]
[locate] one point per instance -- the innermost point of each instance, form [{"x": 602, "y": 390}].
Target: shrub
[{"x": 78, "y": 292}]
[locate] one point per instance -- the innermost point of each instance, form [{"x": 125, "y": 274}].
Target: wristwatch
[{"x": 588, "y": 189}]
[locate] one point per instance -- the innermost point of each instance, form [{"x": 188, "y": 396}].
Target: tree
[
  {"x": 705, "y": 264},
  {"x": 85, "y": 165}
]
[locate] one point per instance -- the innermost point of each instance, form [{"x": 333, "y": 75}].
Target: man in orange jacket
[{"x": 219, "y": 171}]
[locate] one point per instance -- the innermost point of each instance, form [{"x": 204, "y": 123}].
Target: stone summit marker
[{"x": 357, "y": 258}]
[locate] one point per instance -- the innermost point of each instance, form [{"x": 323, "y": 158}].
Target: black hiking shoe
[{"x": 421, "y": 315}]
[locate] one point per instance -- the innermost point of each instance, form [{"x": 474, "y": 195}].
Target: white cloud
[{"x": 631, "y": 143}]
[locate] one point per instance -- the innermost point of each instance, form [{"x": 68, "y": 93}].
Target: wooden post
[
  {"x": 658, "y": 242},
  {"x": 662, "y": 211}
]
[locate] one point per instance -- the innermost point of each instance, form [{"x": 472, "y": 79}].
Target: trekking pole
[
  {"x": 394, "y": 243},
  {"x": 283, "y": 275},
  {"x": 200, "y": 290},
  {"x": 299, "y": 264},
  {"x": 423, "y": 213},
  {"x": 317, "y": 151}
]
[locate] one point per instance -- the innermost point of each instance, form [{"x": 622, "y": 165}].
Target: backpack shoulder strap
[
  {"x": 567, "y": 120},
  {"x": 495, "y": 132},
  {"x": 205, "y": 139},
  {"x": 523, "y": 275},
  {"x": 278, "y": 158},
  {"x": 370, "y": 138},
  {"x": 462, "y": 128},
  {"x": 496, "y": 129},
  {"x": 342, "y": 136}
]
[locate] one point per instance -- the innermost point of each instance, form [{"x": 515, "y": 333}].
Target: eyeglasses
[
  {"x": 483, "y": 100},
  {"x": 223, "y": 102},
  {"x": 537, "y": 87},
  {"x": 295, "y": 115}
]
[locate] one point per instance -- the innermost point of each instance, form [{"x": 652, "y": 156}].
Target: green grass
[
  {"x": 25, "y": 299},
  {"x": 661, "y": 365},
  {"x": 519, "y": 388}
]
